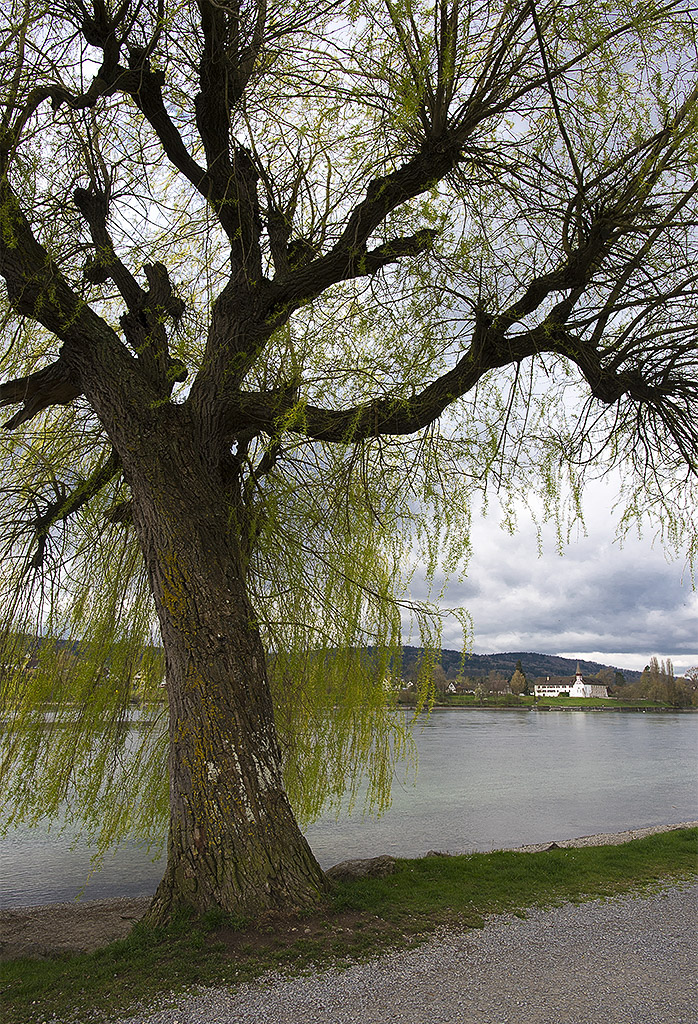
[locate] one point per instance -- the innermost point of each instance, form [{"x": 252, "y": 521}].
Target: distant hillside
[
  {"x": 476, "y": 666},
  {"x": 534, "y": 665}
]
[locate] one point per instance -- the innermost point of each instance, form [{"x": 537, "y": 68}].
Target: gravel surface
[{"x": 625, "y": 960}]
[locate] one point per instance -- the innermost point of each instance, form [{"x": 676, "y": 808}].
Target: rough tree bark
[{"x": 233, "y": 839}]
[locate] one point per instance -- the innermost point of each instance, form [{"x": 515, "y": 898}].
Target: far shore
[{"x": 616, "y": 709}]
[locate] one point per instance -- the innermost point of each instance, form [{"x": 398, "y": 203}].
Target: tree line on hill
[{"x": 534, "y": 665}]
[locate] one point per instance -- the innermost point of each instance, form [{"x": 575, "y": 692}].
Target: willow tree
[{"x": 287, "y": 283}]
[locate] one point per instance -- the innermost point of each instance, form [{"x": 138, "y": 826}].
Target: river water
[{"x": 486, "y": 780}]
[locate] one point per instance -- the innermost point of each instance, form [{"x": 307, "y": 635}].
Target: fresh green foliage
[
  {"x": 422, "y": 896},
  {"x": 422, "y": 254}
]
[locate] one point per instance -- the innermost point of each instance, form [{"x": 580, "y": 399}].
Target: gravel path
[{"x": 626, "y": 960}]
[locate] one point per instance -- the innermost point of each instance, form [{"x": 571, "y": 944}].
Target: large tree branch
[
  {"x": 212, "y": 103},
  {"x": 144, "y": 328},
  {"x": 383, "y": 415},
  {"x": 441, "y": 151},
  {"x": 494, "y": 345},
  {"x": 146, "y": 91},
  {"x": 225, "y": 183},
  {"x": 56, "y": 384},
  {"x": 35, "y": 286},
  {"x": 372, "y": 260},
  {"x": 228, "y": 184},
  {"x": 230, "y": 352},
  {"x": 66, "y": 505},
  {"x": 37, "y": 289},
  {"x": 143, "y": 325},
  {"x": 94, "y": 207},
  {"x": 109, "y": 33},
  {"x": 144, "y": 86},
  {"x": 383, "y": 195},
  {"x": 227, "y": 61},
  {"x": 667, "y": 395},
  {"x": 389, "y": 416},
  {"x": 363, "y": 262}
]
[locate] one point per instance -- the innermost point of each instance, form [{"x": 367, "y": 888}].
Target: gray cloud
[{"x": 618, "y": 604}]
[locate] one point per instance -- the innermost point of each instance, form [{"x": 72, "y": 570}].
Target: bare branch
[
  {"x": 94, "y": 207},
  {"x": 56, "y": 384}
]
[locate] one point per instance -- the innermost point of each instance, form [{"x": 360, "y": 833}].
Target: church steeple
[{"x": 579, "y": 687}]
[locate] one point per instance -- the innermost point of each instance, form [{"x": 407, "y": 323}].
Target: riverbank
[
  {"x": 559, "y": 704},
  {"x": 361, "y": 921},
  {"x": 56, "y": 929}
]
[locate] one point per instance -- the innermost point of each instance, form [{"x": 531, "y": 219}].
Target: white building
[
  {"x": 551, "y": 689},
  {"x": 574, "y": 688}
]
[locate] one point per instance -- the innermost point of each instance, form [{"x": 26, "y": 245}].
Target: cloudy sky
[{"x": 612, "y": 604}]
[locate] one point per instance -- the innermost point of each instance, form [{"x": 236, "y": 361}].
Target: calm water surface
[{"x": 486, "y": 780}]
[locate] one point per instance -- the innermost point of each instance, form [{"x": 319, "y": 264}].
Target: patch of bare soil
[
  {"x": 60, "y": 928},
  {"x": 67, "y": 928},
  {"x": 343, "y": 930},
  {"x": 338, "y": 933}
]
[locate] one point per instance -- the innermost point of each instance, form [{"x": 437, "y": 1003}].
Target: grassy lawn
[
  {"x": 594, "y": 702},
  {"x": 359, "y": 920},
  {"x": 468, "y": 700}
]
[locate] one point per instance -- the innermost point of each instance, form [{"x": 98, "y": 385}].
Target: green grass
[
  {"x": 595, "y": 702},
  {"x": 469, "y": 700},
  {"x": 359, "y": 920}
]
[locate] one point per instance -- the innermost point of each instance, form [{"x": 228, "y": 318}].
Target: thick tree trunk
[{"x": 233, "y": 840}]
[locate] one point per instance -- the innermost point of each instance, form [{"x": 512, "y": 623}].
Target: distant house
[
  {"x": 577, "y": 687},
  {"x": 552, "y": 688}
]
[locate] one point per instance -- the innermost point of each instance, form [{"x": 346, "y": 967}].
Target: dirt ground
[
  {"x": 83, "y": 926},
  {"x": 57, "y": 928}
]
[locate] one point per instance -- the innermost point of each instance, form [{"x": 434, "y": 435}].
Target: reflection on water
[{"x": 486, "y": 780}]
